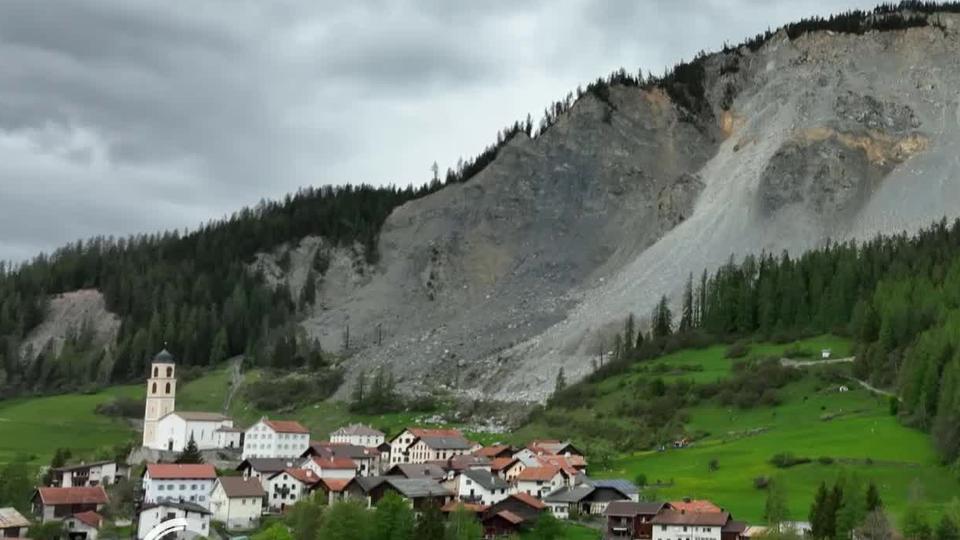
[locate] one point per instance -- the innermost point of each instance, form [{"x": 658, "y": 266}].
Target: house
[
  {"x": 589, "y": 497},
  {"x": 275, "y": 439},
  {"x": 438, "y": 448},
  {"x": 174, "y": 430},
  {"x": 481, "y": 486},
  {"x": 59, "y": 503},
  {"x": 151, "y": 515},
  {"x": 538, "y": 481},
  {"x": 511, "y": 514},
  {"x": 83, "y": 525},
  {"x": 366, "y": 460},
  {"x": 88, "y": 474},
  {"x": 572, "y": 464},
  {"x": 359, "y": 435},
  {"x": 630, "y": 520},
  {"x": 13, "y": 524},
  {"x": 289, "y": 487},
  {"x": 459, "y": 463},
  {"x": 237, "y": 502},
  {"x": 507, "y": 468},
  {"x": 178, "y": 482},
  {"x": 264, "y": 468},
  {"x": 338, "y": 489},
  {"x": 495, "y": 451},
  {"x": 331, "y": 467},
  {"x": 671, "y": 524},
  {"x": 694, "y": 505},
  {"x": 229, "y": 437},
  {"x": 419, "y": 491},
  {"x": 418, "y": 470},
  {"x": 554, "y": 448},
  {"x": 401, "y": 445},
  {"x": 737, "y": 530},
  {"x": 825, "y": 354}
]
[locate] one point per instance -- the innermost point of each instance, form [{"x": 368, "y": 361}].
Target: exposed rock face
[
  {"x": 491, "y": 286},
  {"x": 68, "y": 314}
]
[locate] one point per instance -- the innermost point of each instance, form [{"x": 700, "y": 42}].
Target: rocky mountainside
[{"x": 490, "y": 286}]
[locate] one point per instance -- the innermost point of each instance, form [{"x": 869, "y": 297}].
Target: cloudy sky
[{"x": 122, "y": 116}]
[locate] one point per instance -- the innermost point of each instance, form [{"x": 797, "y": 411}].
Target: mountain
[{"x": 530, "y": 257}]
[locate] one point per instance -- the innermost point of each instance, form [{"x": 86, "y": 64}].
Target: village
[{"x": 277, "y": 464}]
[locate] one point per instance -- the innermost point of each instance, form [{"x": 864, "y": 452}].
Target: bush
[
  {"x": 737, "y": 350},
  {"x": 285, "y": 393},
  {"x": 761, "y": 482},
  {"x": 122, "y": 407},
  {"x": 640, "y": 480},
  {"x": 798, "y": 352},
  {"x": 786, "y": 460},
  {"x": 825, "y": 460},
  {"x": 713, "y": 465}
]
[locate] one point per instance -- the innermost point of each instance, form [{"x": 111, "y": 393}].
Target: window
[
  {"x": 156, "y": 371},
  {"x": 154, "y": 391},
  {"x": 169, "y": 372}
]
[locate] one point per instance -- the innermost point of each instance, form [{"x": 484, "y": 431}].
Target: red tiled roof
[
  {"x": 510, "y": 516},
  {"x": 499, "y": 464},
  {"x": 453, "y": 505},
  {"x": 695, "y": 505},
  {"x": 429, "y": 432},
  {"x": 529, "y": 500},
  {"x": 547, "y": 472},
  {"x": 56, "y": 496},
  {"x": 286, "y": 426},
  {"x": 334, "y": 462},
  {"x": 336, "y": 485},
  {"x": 560, "y": 462},
  {"x": 90, "y": 518},
  {"x": 305, "y": 476},
  {"x": 167, "y": 471},
  {"x": 491, "y": 451}
]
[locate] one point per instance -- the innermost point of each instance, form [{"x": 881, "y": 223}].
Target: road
[{"x": 789, "y": 362}]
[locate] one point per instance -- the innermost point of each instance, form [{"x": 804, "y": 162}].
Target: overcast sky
[{"x": 121, "y": 116}]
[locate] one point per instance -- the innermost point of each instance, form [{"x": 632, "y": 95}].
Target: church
[{"x": 165, "y": 428}]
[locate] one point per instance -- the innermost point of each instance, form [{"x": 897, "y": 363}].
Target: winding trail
[
  {"x": 809, "y": 363},
  {"x": 236, "y": 380}
]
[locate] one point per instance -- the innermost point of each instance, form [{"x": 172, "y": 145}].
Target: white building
[
  {"x": 89, "y": 474},
  {"x": 331, "y": 467},
  {"x": 359, "y": 435},
  {"x": 174, "y": 430},
  {"x": 288, "y": 487},
  {"x": 420, "y": 445},
  {"x": 173, "y": 482},
  {"x": 481, "y": 486},
  {"x": 229, "y": 437},
  {"x": 539, "y": 481},
  {"x": 237, "y": 502},
  {"x": 161, "y": 397},
  {"x": 83, "y": 526},
  {"x": 683, "y": 525},
  {"x": 152, "y": 515},
  {"x": 275, "y": 439}
]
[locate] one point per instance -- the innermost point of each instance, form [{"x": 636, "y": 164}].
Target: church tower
[{"x": 161, "y": 394}]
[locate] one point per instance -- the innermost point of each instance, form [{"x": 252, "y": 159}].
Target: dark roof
[
  {"x": 80, "y": 466},
  {"x": 367, "y": 483},
  {"x": 486, "y": 479},
  {"x": 345, "y": 450},
  {"x": 414, "y": 488},
  {"x": 623, "y": 486},
  {"x": 446, "y": 443},
  {"x": 185, "y": 506},
  {"x": 238, "y": 486},
  {"x": 678, "y": 517},
  {"x": 630, "y": 508},
  {"x": 569, "y": 494},
  {"x": 529, "y": 500},
  {"x": 735, "y": 526},
  {"x": 358, "y": 429},
  {"x": 164, "y": 357},
  {"x": 416, "y": 470},
  {"x": 268, "y": 465}
]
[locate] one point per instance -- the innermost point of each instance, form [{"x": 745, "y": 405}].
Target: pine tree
[
  {"x": 817, "y": 516},
  {"x": 873, "y": 498},
  {"x": 686, "y": 315},
  {"x": 190, "y": 454},
  {"x": 393, "y": 519},
  {"x": 629, "y": 333},
  {"x": 218, "y": 352},
  {"x": 561, "y": 382},
  {"x": 662, "y": 319}
]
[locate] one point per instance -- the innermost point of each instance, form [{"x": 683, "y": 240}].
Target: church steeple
[{"x": 161, "y": 396}]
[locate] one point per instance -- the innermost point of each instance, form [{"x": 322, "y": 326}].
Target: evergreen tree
[
  {"x": 218, "y": 351},
  {"x": 662, "y": 319},
  {"x": 853, "y": 508},
  {"x": 346, "y": 520},
  {"x": 629, "y": 336},
  {"x": 873, "y": 498},
  {"x": 915, "y": 525},
  {"x": 393, "y": 519},
  {"x": 561, "y": 381},
  {"x": 16, "y": 486},
  {"x": 818, "y": 513},
  {"x": 430, "y": 524},
  {"x": 686, "y": 315},
  {"x": 191, "y": 453},
  {"x": 463, "y": 525}
]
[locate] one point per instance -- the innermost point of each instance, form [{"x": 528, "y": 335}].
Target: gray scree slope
[{"x": 491, "y": 286}]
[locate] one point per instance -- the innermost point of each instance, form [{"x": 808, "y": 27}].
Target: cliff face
[{"x": 490, "y": 286}]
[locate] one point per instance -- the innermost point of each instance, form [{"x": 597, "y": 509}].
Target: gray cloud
[{"x": 123, "y": 116}]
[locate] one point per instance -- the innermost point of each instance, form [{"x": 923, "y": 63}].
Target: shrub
[
  {"x": 640, "y": 480},
  {"x": 713, "y": 465},
  {"x": 786, "y": 460},
  {"x": 825, "y": 460},
  {"x": 737, "y": 350},
  {"x": 761, "y": 482},
  {"x": 798, "y": 352},
  {"x": 122, "y": 407}
]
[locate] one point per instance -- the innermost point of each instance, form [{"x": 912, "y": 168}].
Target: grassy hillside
[{"x": 853, "y": 430}]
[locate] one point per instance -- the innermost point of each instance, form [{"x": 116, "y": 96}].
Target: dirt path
[
  {"x": 236, "y": 380},
  {"x": 789, "y": 362},
  {"x": 876, "y": 390}
]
